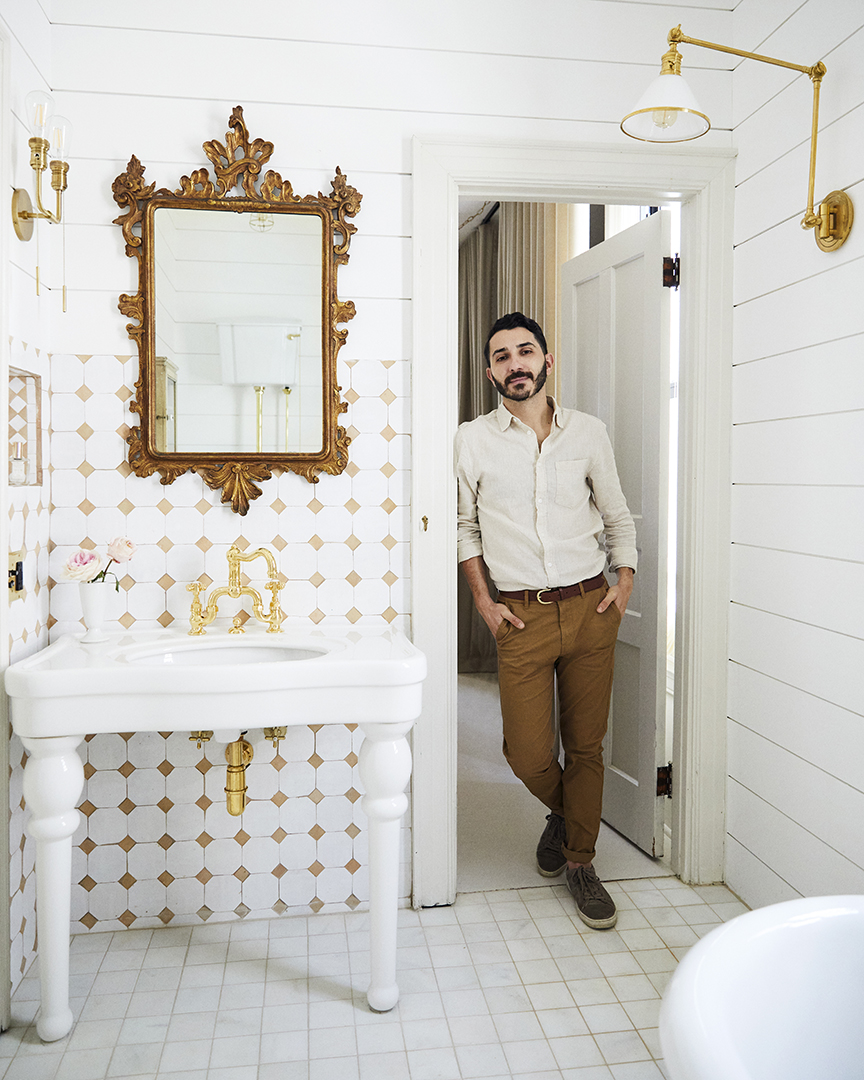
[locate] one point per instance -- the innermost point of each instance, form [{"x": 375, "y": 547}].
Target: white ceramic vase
[{"x": 95, "y": 600}]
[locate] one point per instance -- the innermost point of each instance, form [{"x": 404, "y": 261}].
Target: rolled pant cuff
[{"x": 583, "y": 857}]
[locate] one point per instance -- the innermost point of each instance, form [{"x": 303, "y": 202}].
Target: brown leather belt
[{"x": 552, "y": 596}]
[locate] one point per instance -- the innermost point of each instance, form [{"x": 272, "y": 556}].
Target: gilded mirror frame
[{"x": 237, "y": 164}]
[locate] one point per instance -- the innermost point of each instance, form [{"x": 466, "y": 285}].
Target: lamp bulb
[{"x": 664, "y": 118}]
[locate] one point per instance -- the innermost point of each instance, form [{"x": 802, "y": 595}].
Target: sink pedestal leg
[
  {"x": 53, "y": 781},
  {"x": 385, "y": 768}
]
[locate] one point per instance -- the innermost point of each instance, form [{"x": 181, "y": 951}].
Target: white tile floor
[{"x": 502, "y": 984}]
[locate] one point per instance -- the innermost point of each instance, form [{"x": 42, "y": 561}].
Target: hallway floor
[{"x": 502, "y": 984}]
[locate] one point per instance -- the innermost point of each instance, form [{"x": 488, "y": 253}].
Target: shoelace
[
  {"x": 555, "y": 835},
  {"x": 591, "y": 884}
]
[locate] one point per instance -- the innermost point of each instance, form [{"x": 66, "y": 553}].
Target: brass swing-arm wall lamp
[
  {"x": 668, "y": 112},
  {"x": 50, "y": 133}
]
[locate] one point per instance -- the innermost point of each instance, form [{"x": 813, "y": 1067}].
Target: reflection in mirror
[{"x": 238, "y": 316}]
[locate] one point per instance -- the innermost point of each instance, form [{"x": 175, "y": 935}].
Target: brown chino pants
[{"x": 570, "y": 639}]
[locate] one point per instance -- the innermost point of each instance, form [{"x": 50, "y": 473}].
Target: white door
[{"x": 614, "y": 363}]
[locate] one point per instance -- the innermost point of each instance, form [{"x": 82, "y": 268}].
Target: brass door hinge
[
  {"x": 664, "y": 780},
  {"x": 671, "y": 272}
]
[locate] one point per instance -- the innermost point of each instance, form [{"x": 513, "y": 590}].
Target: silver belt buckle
[{"x": 541, "y": 601}]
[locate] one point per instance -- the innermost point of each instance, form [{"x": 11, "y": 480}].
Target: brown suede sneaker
[
  {"x": 551, "y": 860},
  {"x": 595, "y": 906}
]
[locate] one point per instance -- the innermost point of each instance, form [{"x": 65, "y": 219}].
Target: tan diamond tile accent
[
  {"x": 126, "y": 582},
  {"x": 87, "y": 845},
  {"x": 166, "y": 581},
  {"x": 165, "y": 804},
  {"x": 315, "y": 795},
  {"x": 124, "y": 393},
  {"x": 164, "y": 505},
  {"x": 204, "y": 876},
  {"x": 351, "y": 396},
  {"x": 317, "y": 579},
  {"x": 204, "y": 766},
  {"x": 389, "y": 542},
  {"x": 165, "y": 767},
  {"x": 203, "y": 913},
  {"x": 352, "y": 506},
  {"x": 126, "y": 620},
  {"x": 165, "y": 544},
  {"x": 352, "y": 759},
  {"x": 127, "y": 806},
  {"x": 127, "y": 881},
  {"x": 316, "y": 832},
  {"x": 387, "y": 363},
  {"x": 165, "y": 619},
  {"x": 126, "y": 507},
  {"x": 352, "y": 902},
  {"x": 279, "y": 543},
  {"x": 316, "y": 905},
  {"x": 278, "y": 505},
  {"x": 165, "y": 878},
  {"x": 353, "y": 578},
  {"x": 126, "y": 769},
  {"x": 388, "y": 506},
  {"x": 278, "y": 762},
  {"x": 89, "y": 770},
  {"x": 204, "y": 839},
  {"x": 389, "y": 433},
  {"x": 353, "y": 615},
  {"x": 242, "y": 837},
  {"x": 86, "y": 507},
  {"x": 85, "y": 431},
  {"x": 353, "y": 831},
  {"x": 352, "y": 432},
  {"x": 242, "y": 911},
  {"x": 166, "y": 915},
  {"x": 204, "y": 803},
  {"x": 279, "y": 835},
  {"x": 241, "y": 873},
  {"x": 388, "y": 614},
  {"x": 315, "y": 727},
  {"x": 279, "y": 907},
  {"x": 315, "y": 869},
  {"x": 353, "y": 794},
  {"x": 127, "y": 843},
  {"x": 165, "y": 841},
  {"x": 315, "y": 505},
  {"x": 90, "y": 920},
  {"x": 317, "y": 615},
  {"x": 124, "y": 468},
  {"x": 202, "y": 506},
  {"x": 127, "y": 918},
  {"x": 353, "y": 542},
  {"x": 242, "y": 542},
  {"x": 388, "y": 397},
  {"x": 84, "y": 392},
  {"x": 279, "y": 871},
  {"x": 352, "y": 866},
  {"x": 88, "y": 883},
  {"x": 352, "y": 469},
  {"x": 316, "y": 542}
]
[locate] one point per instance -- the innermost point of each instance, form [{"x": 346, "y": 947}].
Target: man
[{"x": 537, "y": 487}]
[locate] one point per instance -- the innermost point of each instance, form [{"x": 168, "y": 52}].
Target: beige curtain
[{"x": 478, "y": 276}]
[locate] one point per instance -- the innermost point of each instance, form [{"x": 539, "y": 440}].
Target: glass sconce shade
[
  {"x": 37, "y": 107},
  {"x": 58, "y": 134},
  {"x": 666, "y": 112}
]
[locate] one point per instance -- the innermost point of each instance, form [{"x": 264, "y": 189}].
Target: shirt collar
[{"x": 505, "y": 417}]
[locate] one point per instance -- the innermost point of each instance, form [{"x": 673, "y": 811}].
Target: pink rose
[
  {"x": 121, "y": 550},
  {"x": 82, "y": 566}
]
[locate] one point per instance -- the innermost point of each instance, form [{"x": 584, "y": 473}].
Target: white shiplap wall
[{"x": 796, "y": 707}]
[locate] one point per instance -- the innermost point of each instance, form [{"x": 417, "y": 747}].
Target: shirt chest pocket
[{"x": 571, "y": 482}]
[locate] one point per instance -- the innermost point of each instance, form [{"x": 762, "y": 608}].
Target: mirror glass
[{"x": 238, "y": 331}]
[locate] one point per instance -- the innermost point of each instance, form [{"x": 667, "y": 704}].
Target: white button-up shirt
[{"x": 536, "y": 514}]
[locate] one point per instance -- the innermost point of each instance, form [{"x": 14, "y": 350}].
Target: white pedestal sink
[{"x": 168, "y": 681}]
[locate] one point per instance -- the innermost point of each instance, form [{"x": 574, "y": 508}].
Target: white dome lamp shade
[{"x": 668, "y": 111}]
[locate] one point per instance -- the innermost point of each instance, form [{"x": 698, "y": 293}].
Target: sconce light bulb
[
  {"x": 58, "y": 135},
  {"x": 38, "y": 106},
  {"x": 664, "y": 118}
]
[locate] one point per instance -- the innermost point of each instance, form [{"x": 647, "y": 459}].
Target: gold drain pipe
[{"x": 238, "y": 754}]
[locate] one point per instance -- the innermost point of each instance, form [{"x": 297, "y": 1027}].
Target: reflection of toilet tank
[{"x": 259, "y": 353}]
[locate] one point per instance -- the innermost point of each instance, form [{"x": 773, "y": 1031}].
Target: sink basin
[
  {"x": 218, "y": 652},
  {"x": 165, "y": 680}
]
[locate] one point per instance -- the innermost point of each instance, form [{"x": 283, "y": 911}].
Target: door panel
[{"x": 614, "y": 364}]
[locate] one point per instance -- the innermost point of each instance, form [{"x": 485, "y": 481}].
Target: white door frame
[{"x": 702, "y": 181}]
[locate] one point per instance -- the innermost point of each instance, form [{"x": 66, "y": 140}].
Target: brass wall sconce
[
  {"x": 668, "y": 112},
  {"x": 50, "y": 136}
]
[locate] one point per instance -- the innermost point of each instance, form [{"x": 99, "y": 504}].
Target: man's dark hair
[{"x": 511, "y": 322}]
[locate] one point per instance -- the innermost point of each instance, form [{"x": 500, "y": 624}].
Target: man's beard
[{"x": 528, "y": 391}]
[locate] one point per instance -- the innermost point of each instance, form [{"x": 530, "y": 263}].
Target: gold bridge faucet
[{"x": 201, "y": 615}]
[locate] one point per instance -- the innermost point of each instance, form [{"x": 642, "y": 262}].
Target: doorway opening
[{"x": 498, "y": 821}]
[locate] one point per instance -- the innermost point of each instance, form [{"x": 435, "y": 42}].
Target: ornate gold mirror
[{"x": 237, "y": 320}]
